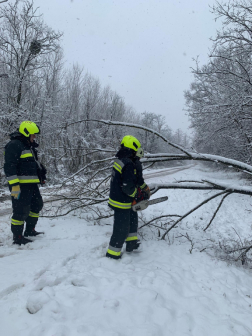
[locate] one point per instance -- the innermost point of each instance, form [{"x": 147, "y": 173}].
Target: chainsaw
[{"x": 142, "y": 205}]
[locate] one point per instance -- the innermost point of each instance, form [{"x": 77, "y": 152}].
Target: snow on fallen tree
[
  {"x": 204, "y": 185},
  {"x": 166, "y": 157},
  {"x": 92, "y": 191}
]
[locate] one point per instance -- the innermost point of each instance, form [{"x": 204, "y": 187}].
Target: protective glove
[
  {"x": 15, "y": 191},
  {"x": 146, "y": 191},
  {"x": 141, "y": 195}
]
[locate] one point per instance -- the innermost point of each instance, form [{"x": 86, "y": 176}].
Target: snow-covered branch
[
  {"x": 120, "y": 123},
  {"x": 166, "y": 157},
  {"x": 203, "y": 185},
  {"x": 199, "y": 157}
]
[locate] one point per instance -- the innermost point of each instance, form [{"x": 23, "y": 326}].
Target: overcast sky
[{"x": 142, "y": 49}]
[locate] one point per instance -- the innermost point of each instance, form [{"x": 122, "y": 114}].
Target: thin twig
[
  {"x": 243, "y": 254},
  {"x": 218, "y": 208},
  {"x": 237, "y": 235},
  {"x": 192, "y": 210},
  {"x": 152, "y": 220}
]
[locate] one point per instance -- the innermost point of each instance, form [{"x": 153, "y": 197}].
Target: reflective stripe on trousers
[
  {"x": 16, "y": 222},
  {"x": 33, "y": 214},
  {"x": 131, "y": 236},
  {"x": 114, "y": 251}
]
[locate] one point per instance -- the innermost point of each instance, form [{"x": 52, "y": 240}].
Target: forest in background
[
  {"x": 219, "y": 101},
  {"x": 35, "y": 85}
]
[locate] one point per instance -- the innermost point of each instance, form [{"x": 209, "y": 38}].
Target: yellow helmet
[
  {"x": 28, "y": 127},
  {"x": 131, "y": 142}
]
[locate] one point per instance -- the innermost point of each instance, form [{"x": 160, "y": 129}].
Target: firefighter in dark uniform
[
  {"x": 24, "y": 173},
  {"x": 123, "y": 190}
]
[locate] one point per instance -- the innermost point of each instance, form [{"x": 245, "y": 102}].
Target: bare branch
[
  {"x": 189, "y": 239},
  {"x": 191, "y": 211},
  {"x": 218, "y": 208},
  {"x": 156, "y": 218}
]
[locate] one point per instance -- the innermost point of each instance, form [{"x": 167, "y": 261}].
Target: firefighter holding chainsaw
[
  {"x": 126, "y": 186},
  {"x": 24, "y": 173}
]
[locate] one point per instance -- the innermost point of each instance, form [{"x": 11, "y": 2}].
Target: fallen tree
[{"x": 89, "y": 192}]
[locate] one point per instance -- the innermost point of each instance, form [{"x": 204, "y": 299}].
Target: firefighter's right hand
[
  {"x": 146, "y": 192},
  {"x": 15, "y": 191}
]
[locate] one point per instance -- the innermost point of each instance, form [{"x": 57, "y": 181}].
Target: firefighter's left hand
[{"x": 15, "y": 191}]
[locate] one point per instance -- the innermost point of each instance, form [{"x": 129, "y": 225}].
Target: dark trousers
[
  {"x": 26, "y": 208},
  {"x": 125, "y": 228}
]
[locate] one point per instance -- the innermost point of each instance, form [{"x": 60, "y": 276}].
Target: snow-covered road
[{"x": 62, "y": 285}]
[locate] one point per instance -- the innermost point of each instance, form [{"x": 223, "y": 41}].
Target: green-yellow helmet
[
  {"x": 131, "y": 142},
  {"x": 28, "y": 127}
]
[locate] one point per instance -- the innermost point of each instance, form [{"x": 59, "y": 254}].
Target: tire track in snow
[{"x": 10, "y": 289}]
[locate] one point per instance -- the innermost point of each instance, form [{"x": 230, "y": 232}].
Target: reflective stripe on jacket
[
  {"x": 123, "y": 184},
  {"x": 20, "y": 165}
]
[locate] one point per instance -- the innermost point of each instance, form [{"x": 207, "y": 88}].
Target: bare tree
[
  {"x": 24, "y": 41},
  {"x": 219, "y": 100}
]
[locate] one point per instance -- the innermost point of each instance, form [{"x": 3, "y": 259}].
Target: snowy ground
[{"x": 62, "y": 285}]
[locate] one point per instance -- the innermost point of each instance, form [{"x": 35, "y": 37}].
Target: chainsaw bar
[
  {"x": 144, "y": 204},
  {"x": 157, "y": 200}
]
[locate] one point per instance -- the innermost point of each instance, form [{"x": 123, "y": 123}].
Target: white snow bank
[{"x": 62, "y": 284}]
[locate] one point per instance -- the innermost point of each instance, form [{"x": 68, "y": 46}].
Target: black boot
[
  {"x": 132, "y": 245},
  {"x": 32, "y": 233},
  {"x": 108, "y": 255},
  {"x": 20, "y": 240}
]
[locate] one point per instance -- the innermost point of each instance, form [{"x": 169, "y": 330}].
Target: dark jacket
[
  {"x": 20, "y": 166},
  {"x": 123, "y": 185},
  {"x": 139, "y": 173}
]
